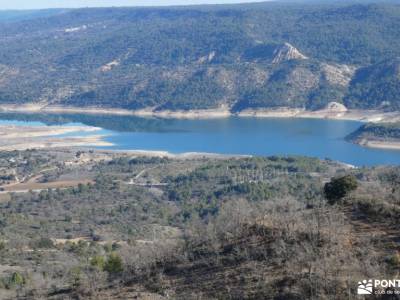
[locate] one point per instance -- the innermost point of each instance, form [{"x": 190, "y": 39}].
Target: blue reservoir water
[{"x": 253, "y": 136}]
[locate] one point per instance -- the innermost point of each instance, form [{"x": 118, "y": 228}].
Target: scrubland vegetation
[{"x": 198, "y": 228}]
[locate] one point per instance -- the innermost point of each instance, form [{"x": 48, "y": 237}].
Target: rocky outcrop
[
  {"x": 110, "y": 65},
  {"x": 207, "y": 58},
  {"x": 287, "y": 52},
  {"x": 335, "y": 107},
  {"x": 338, "y": 74}
]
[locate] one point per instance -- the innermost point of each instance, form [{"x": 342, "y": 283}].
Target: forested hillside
[{"x": 235, "y": 56}]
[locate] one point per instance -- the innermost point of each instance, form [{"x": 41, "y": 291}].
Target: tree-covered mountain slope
[{"x": 195, "y": 57}]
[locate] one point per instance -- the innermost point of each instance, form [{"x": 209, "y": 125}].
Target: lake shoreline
[
  {"x": 43, "y": 136},
  {"x": 282, "y": 112},
  {"x": 183, "y": 155}
]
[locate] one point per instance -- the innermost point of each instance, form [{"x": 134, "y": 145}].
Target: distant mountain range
[
  {"x": 300, "y": 55},
  {"x": 21, "y": 15}
]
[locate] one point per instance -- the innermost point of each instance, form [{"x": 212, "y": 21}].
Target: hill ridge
[{"x": 246, "y": 57}]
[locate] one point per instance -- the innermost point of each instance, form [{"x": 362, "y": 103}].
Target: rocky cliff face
[
  {"x": 338, "y": 74},
  {"x": 287, "y": 52}
]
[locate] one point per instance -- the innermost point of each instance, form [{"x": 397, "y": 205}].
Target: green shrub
[
  {"x": 338, "y": 188},
  {"x": 15, "y": 280},
  {"x": 98, "y": 261},
  {"x": 2, "y": 245},
  {"x": 394, "y": 260},
  {"x": 43, "y": 243},
  {"x": 75, "y": 276},
  {"x": 114, "y": 264}
]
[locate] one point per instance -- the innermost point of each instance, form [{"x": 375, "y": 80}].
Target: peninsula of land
[
  {"x": 14, "y": 137},
  {"x": 377, "y": 135}
]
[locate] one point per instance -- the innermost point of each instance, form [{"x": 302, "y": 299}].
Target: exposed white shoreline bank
[
  {"x": 23, "y": 137},
  {"x": 351, "y": 115},
  {"x": 379, "y": 144},
  {"x": 283, "y": 112}
]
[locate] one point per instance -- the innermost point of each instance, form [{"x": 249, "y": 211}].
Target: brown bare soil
[{"x": 43, "y": 186}]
